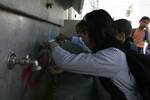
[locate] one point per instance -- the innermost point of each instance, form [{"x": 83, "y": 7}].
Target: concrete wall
[
  {"x": 69, "y": 27},
  {"x": 24, "y": 24},
  {"x": 37, "y": 8},
  {"x": 21, "y": 34}
]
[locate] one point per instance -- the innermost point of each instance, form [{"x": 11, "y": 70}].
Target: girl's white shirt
[{"x": 110, "y": 62}]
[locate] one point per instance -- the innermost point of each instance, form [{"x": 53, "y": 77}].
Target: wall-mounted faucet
[{"x": 13, "y": 60}]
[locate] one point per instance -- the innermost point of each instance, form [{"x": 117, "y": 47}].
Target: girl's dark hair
[
  {"x": 81, "y": 27},
  {"x": 123, "y": 26},
  {"x": 100, "y": 27}
]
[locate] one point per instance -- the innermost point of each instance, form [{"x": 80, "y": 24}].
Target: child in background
[
  {"x": 76, "y": 41},
  {"x": 124, "y": 30},
  {"x": 140, "y": 34}
]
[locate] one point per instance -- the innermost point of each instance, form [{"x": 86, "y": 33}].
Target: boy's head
[
  {"x": 145, "y": 18},
  {"x": 123, "y": 29},
  {"x": 144, "y": 21}
]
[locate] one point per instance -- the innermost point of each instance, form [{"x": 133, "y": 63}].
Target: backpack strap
[
  {"x": 109, "y": 91},
  {"x": 131, "y": 38},
  {"x": 133, "y": 31},
  {"x": 116, "y": 93},
  {"x": 146, "y": 36},
  {"x": 101, "y": 92},
  {"x": 140, "y": 69}
]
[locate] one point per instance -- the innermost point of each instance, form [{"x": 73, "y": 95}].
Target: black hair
[
  {"x": 145, "y": 18},
  {"x": 81, "y": 27},
  {"x": 123, "y": 26},
  {"x": 100, "y": 27}
]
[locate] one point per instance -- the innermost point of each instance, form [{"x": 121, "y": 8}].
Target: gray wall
[
  {"x": 38, "y": 9},
  {"x": 19, "y": 34},
  {"x": 24, "y": 24},
  {"x": 22, "y": 34},
  {"x": 69, "y": 27}
]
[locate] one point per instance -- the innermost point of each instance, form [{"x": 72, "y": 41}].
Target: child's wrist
[{"x": 53, "y": 44}]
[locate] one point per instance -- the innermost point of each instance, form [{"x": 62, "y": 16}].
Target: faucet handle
[
  {"x": 13, "y": 60},
  {"x": 27, "y": 56},
  {"x": 35, "y": 66}
]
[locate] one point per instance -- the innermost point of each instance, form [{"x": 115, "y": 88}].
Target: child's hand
[
  {"x": 52, "y": 37},
  {"x": 55, "y": 70}
]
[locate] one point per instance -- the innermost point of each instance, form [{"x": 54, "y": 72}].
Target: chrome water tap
[{"x": 13, "y": 60}]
